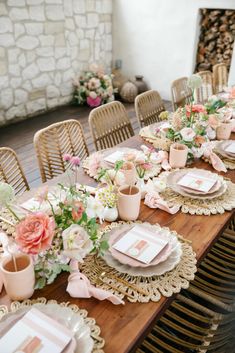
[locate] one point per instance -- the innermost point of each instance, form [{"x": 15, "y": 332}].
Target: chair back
[
  {"x": 206, "y": 90},
  {"x": 52, "y": 142},
  {"x": 148, "y": 106},
  {"x": 11, "y": 171},
  {"x": 110, "y": 125},
  {"x": 220, "y": 77},
  {"x": 180, "y": 92}
]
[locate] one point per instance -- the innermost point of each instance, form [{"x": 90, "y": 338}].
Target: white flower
[
  {"x": 211, "y": 133},
  {"x": 156, "y": 184},
  {"x": 195, "y": 81},
  {"x": 187, "y": 134},
  {"x": 212, "y": 98},
  {"x": 93, "y": 95},
  {"x": 7, "y": 193},
  {"x": 94, "y": 209},
  {"x": 116, "y": 177},
  {"x": 76, "y": 242}
]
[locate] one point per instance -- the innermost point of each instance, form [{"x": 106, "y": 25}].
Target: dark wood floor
[{"x": 19, "y": 136}]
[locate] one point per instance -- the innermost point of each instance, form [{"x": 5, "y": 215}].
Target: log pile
[{"x": 216, "y": 38}]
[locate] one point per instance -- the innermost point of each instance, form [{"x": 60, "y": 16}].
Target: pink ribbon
[
  {"x": 79, "y": 286},
  {"x": 154, "y": 200},
  {"x": 215, "y": 160}
]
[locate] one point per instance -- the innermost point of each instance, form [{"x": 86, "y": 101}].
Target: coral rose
[{"x": 35, "y": 233}]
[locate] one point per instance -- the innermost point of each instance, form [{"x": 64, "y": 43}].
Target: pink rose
[
  {"x": 93, "y": 102},
  {"x": 35, "y": 232}
]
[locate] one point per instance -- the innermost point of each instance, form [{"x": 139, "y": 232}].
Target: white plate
[
  {"x": 150, "y": 271},
  {"x": 82, "y": 342}
]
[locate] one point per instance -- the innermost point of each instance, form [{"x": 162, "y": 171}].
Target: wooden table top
[{"x": 124, "y": 326}]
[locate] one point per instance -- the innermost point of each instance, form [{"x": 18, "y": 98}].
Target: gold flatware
[
  {"x": 101, "y": 275},
  {"x": 121, "y": 280}
]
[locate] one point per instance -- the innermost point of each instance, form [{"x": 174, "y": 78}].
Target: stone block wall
[{"x": 44, "y": 44}]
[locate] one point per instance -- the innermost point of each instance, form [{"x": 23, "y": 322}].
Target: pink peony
[
  {"x": 196, "y": 108},
  {"x": 35, "y": 233},
  {"x": 93, "y": 102}
]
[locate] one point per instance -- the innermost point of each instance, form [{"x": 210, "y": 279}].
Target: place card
[
  {"x": 114, "y": 157},
  {"x": 141, "y": 244},
  {"x": 231, "y": 147},
  {"x": 36, "y": 332},
  {"x": 197, "y": 182}
]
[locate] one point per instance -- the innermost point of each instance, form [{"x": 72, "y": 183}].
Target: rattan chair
[
  {"x": 216, "y": 274},
  {"x": 180, "y": 92},
  {"x": 148, "y": 106},
  {"x": 53, "y": 142},
  {"x": 220, "y": 77},
  {"x": 110, "y": 125},
  {"x": 206, "y": 90},
  {"x": 11, "y": 171},
  {"x": 188, "y": 326}
]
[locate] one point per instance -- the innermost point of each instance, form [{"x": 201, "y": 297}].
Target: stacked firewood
[{"x": 216, "y": 38}]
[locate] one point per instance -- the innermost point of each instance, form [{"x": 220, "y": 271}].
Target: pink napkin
[
  {"x": 154, "y": 200},
  {"x": 1, "y": 282},
  {"x": 215, "y": 160},
  {"x": 79, "y": 286}
]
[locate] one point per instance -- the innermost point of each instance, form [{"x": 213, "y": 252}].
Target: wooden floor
[{"x": 19, "y": 136}]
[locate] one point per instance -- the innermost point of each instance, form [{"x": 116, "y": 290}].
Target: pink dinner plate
[{"x": 117, "y": 233}]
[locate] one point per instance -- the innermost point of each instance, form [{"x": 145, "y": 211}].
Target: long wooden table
[{"x": 123, "y": 327}]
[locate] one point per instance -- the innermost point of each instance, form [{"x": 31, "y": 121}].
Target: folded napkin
[
  {"x": 215, "y": 160},
  {"x": 79, "y": 286},
  {"x": 154, "y": 200}
]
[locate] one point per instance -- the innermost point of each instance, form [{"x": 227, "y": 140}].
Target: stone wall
[{"x": 43, "y": 45}]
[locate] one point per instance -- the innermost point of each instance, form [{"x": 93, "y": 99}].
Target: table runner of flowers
[{"x": 193, "y": 124}]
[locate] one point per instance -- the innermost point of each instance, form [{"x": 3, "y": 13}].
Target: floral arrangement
[
  {"x": 93, "y": 87},
  {"x": 194, "y": 124},
  {"x": 69, "y": 232}
]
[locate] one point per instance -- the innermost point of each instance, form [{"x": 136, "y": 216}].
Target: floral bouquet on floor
[
  {"x": 93, "y": 88},
  {"x": 67, "y": 231}
]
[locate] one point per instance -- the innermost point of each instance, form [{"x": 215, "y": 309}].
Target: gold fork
[
  {"x": 121, "y": 280},
  {"x": 102, "y": 274}
]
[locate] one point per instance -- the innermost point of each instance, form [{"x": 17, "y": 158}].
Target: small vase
[
  {"x": 142, "y": 186},
  {"x": 178, "y": 155},
  {"x": 140, "y": 84},
  {"x": 19, "y": 284},
  {"x": 128, "y": 203},
  {"x": 223, "y": 132},
  {"x": 129, "y": 172},
  {"x": 110, "y": 214}
]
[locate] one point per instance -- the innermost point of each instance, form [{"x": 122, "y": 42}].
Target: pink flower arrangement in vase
[{"x": 93, "y": 87}]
